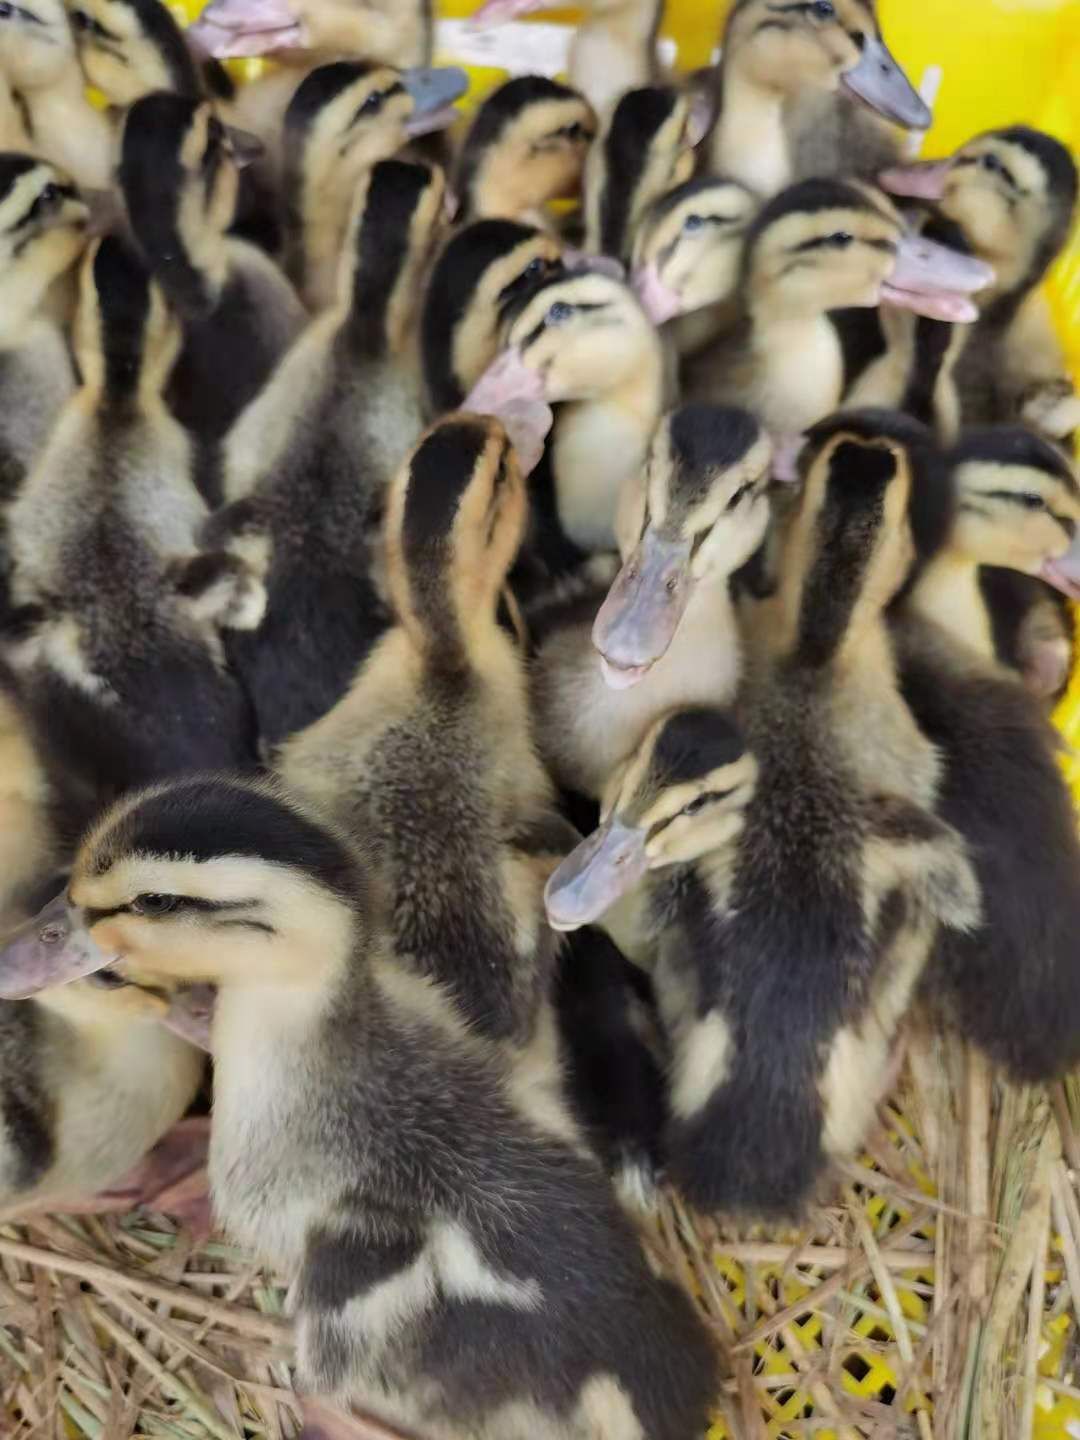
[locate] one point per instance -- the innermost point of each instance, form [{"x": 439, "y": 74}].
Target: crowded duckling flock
[{"x": 540, "y": 693}]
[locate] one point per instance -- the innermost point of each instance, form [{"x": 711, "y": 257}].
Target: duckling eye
[
  {"x": 559, "y": 312},
  {"x": 1031, "y": 501},
  {"x": 533, "y": 269},
  {"x": 823, "y": 10},
  {"x": 841, "y": 240},
  {"x": 371, "y": 105},
  {"x": 696, "y": 806},
  {"x": 739, "y": 496},
  {"x": 6, "y": 10},
  {"x": 692, "y": 223},
  {"x": 154, "y": 904},
  {"x": 79, "y": 18},
  {"x": 992, "y": 163}
]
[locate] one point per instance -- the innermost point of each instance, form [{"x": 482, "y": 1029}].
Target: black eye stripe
[{"x": 189, "y": 903}]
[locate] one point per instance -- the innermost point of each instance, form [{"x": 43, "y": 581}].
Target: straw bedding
[{"x": 935, "y": 1296}]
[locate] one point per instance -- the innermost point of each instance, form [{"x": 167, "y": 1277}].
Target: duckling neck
[
  {"x": 614, "y": 49},
  {"x": 599, "y": 445},
  {"x": 382, "y": 299},
  {"x": 800, "y": 364},
  {"x": 948, "y": 594},
  {"x": 750, "y": 142}
]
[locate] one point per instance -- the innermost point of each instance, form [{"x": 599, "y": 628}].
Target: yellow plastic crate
[{"x": 1000, "y": 62}]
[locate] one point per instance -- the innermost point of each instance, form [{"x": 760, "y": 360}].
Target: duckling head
[
  {"x": 681, "y": 796},
  {"x": 850, "y": 548},
  {"x": 399, "y": 216},
  {"x": 179, "y": 173},
  {"x": 487, "y": 270},
  {"x": 647, "y": 148},
  {"x": 829, "y": 244},
  {"x": 129, "y": 48},
  {"x": 205, "y": 879},
  {"x": 527, "y": 145},
  {"x": 825, "y": 45},
  {"x": 126, "y": 337},
  {"x": 347, "y": 116},
  {"x": 456, "y": 514},
  {"x": 36, "y": 43},
  {"x": 699, "y": 514},
  {"x": 1013, "y": 192},
  {"x": 578, "y": 337},
  {"x": 1017, "y": 505},
  {"x": 688, "y": 247},
  {"x": 43, "y": 231}
]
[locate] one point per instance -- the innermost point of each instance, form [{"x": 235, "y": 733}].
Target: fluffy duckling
[
  {"x": 343, "y": 119},
  {"x": 1012, "y": 986},
  {"x": 667, "y": 627},
  {"x": 688, "y": 257},
  {"x": 646, "y": 149},
  {"x": 613, "y": 48},
  {"x": 115, "y": 635},
  {"x": 817, "y": 247},
  {"x": 791, "y": 79},
  {"x": 839, "y": 895},
  {"x": 387, "y": 32},
  {"x": 307, "y": 465},
  {"x": 482, "y": 274},
  {"x": 39, "y": 67},
  {"x": 90, "y": 1080},
  {"x": 1017, "y": 508},
  {"x": 179, "y": 173},
  {"x": 1013, "y": 194},
  {"x": 526, "y": 145},
  {"x": 584, "y": 343},
  {"x": 43, "y": 231},
  {"x": 440, "y": 707},
  {"x": 443, "y": 1023}
]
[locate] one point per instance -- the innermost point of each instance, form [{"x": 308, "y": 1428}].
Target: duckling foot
[
  {"x": 326, "y": 1422},
  {"x": 171, "y": 1179}
]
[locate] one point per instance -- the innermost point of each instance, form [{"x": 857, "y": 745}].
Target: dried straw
[{"x": 933, "y": 1298}]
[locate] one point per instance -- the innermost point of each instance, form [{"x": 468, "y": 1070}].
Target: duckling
[
  {"x": 43, "y": 231},
  {"x": 386, "y": 32},
  {"x": 343, "y": 119},
  {"x": 645, "y": 150},
  {"x": 526, "y": 145},
  {"x": 583, "y": 342},
  {"x": 1017, "y": 508},
  {"x": 1013, "y": 194},
  {"x": 1012, "y": 986},
  {"x": 817, "y": 247},
  {"x": 688, "y": 255},
  {"x": 388, "y": 1102},
  {"x": 41, "y": 72},
  {"x": 179, "y": 176},
  {"x": 89, "y": 1081},
  {"x": 613, "y": 48},
  {"x": 307, "y": 465},
  {"x": 790, "y": 80},
  {"x": 482, "y": 273},
  {"x": 667, "y": 627},
  {"x": 115, "y": 633},
  {"x": 753, "y": 898}
]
